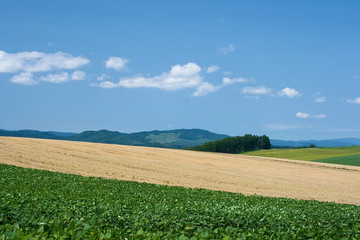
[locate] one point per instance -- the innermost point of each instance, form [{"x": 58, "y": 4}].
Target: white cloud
[
  {"x": 108, "y": 84},
  {"x": 205, "y": 88},
  {"x": 289, "y": 92},
  {"x": 261, "y": 90},
  {"x": 27, "y": 78},
  {"x": 212, "y": 69},
  {"x": 228, "y": 49},
  {"x": 356, "y": 77},
  {"x": 38, "y": 61},
  {"x": 56, "y": 78},
  {"x": 24, "y": 78},
  {"x": 179, "y": 77},
  {"x": 302, "y": 115},
  {"x": 319, "y": 116},
  {"x": 117, "y": 63},
  {"x": 320, "y": 99},
  {"x": 186, "y": 70},
  {"x": 306, "y": 115},
  {"x": 103, "y": 77},
  {"x": 229, "y": 81},
  {"x": 227, "y": 73},
  {"x": 78, "y": 75},
  {"x": 356, "y": 100}
]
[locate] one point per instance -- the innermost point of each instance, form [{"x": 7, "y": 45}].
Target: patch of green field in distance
[
  {"x": 353, "y": 160},
  {"x": 307, "y": 154}
]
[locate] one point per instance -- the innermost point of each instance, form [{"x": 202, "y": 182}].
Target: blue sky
[{"x": 287, "y": 69}]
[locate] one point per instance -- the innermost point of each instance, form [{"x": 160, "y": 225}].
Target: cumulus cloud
[
  {"x": 228, "y": 49},
  {"x": 103, "y": 77},
  {"x": 259, "y": 90},
  {"x": 320, "y": 99},
  {"x": 179, "y": 77},
  {"x": 262, "y": 90},
  {"x": 289, "y": 92},
  {"x": 117, "y": 63},
  {"x": 56, "y": 78},
  {"x": 27, "y": 78},
  {"x": 24, "y": 78},
  {"x": 108, "y": 84},
  {"x": 302, "y": 115},
  {"x": 205, "y": 88},
  {"x": 63, "y": 77},
  {"x": 356, "y": 100},
  {"x": 306, "y": 115},
  {"x": 212, "y": 69},
  {"x": 229, "y": 81},
  {"x": 78, "y": 75},
  {"x": 30, "y": 62}
]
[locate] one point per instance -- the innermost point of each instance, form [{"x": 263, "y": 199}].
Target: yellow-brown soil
[{"x": 234, "y": 173}]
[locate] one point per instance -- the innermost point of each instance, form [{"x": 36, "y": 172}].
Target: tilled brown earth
[{"x": 234, "y": 173}]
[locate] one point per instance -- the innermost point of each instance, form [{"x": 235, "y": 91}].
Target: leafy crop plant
[{"x": 37, "y": 204}]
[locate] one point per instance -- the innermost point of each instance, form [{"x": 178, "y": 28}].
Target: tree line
[{"x": 236, "y": 144}]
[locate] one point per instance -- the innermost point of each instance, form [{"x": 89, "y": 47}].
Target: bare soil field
[{"x": 234, "y": 173}]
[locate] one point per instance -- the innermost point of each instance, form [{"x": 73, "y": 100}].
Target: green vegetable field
[
  {"x": 36, "y": 204},
  {"x": 353, "y": 160},
  {"x": 337, "y": 155}
]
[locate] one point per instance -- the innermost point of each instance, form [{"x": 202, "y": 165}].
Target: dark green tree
[
  {"x": 236, "y": 144},
  {"x": 265, "y": 142}
]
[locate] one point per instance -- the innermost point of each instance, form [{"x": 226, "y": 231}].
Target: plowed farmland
[{"x": 248, "y": 175}]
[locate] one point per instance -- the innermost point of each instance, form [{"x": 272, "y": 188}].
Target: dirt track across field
[{"x": 234, "y": 173}]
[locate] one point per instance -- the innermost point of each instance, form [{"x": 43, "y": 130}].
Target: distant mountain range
[{"x": 179, "y": 138}]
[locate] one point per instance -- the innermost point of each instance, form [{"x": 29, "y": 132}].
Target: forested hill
[
  {"x": 179, "y": 138},
  {"x": 35, "y": 134},
  {"x": 236, "y": 144}
]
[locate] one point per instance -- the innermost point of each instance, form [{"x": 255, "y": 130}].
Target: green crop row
[{"x": 38, "y": 204}]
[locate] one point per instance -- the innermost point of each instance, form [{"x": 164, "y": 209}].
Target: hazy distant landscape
[
  {"x": 166, "y": 139},
  {"x": 178, "y": 138}
]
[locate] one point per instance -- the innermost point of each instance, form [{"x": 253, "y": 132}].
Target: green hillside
[
  {"x": 167, "y": 139},
  {"x": 340, "y": 155},
  {"x": 30, "y": 134},
  {"x": 179, "y": 138},
  {"x": 37, "y": 204}
]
